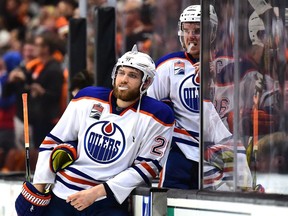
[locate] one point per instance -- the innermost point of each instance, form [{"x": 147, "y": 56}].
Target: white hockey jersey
[
  {"x": 177, "y": 81},
  {"x": 251, "y": 80},
  {"x": 123, "y": 148}
]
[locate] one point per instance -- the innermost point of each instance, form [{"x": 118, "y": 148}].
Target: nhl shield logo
[{"x": 96, "y": 111}]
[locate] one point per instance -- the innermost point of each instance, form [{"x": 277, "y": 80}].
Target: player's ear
[{"x": 147, "y": 83}]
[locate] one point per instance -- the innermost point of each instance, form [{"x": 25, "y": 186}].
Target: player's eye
[
  {"x": 133, "y": 75},
  {"x": 120, "y": 72},
  {"x": 195, "y": 31},
  {"x": 130, "y": 74}
]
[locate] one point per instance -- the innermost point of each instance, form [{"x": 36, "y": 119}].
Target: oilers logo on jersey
[
  {"x": 189, "y": 94},
  {"x": 104, "y": 142}
]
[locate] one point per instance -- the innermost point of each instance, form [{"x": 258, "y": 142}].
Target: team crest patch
[
  {"x": 189, "y": 93},
  {"x": 104, "y": 142},
  {"x": 96, "y": 111},
  {"x": 179, "y": 68}
]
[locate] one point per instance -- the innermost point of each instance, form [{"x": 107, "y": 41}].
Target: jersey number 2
[{"x": 158, "y": 147}]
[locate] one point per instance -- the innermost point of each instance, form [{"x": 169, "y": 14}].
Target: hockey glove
[
  {"x": 268, "y": 122},
  {"x": 62, "y": 156},
  {"x": 259, "y": 188},
  {"x": 30, "y": 201}
]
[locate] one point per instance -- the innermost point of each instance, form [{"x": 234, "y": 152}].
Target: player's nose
[{"x": 125, "y": 78}]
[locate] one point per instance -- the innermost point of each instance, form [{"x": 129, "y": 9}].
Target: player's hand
[
  {"x": 197, "y": 67},
  {"x": 83, "y": 199},
  {"x": 259, "y": 188},
  {"x": 267, "y": 122}
]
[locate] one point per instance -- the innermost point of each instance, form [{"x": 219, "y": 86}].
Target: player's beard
[{"x": 127, "y": 95}]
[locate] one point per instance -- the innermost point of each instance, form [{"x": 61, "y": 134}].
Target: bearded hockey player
[{"x": 106, "y": 143}]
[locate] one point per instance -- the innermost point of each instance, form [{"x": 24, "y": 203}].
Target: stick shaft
[
  {"x": 255, "y": 134},
  {"x": 26, "y": 135}
]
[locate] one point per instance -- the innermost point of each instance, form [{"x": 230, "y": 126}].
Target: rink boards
[{"x": 155, "y": 202}]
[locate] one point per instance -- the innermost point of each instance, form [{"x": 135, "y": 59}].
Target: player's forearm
[
  {"x": 99, "y": 191},
  {"x": 43, "y": 174},
  {"x": 85, "y": 198},
  {"x": 123, "y": 183}
]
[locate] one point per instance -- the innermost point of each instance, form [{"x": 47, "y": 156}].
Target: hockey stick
[
  {"x": 26, "y": 135},
  {"x": 255, "y": 135}
]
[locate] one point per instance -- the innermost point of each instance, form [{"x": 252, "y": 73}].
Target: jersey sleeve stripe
[
  {"x": 155, "y": 162},
  {"x": 228, "y": 169},
  {"x": 211, "y": 179},
  {"x": 56, "y": 139},
  {"x": 161, "y": 176},
  {"x": 145, "y": 178},
  {"x": 149, "y": 169},
  {"x": 187, "y": 142},
  {"x": 184, "y": 132},
  {"x": 49, "y": 142}
]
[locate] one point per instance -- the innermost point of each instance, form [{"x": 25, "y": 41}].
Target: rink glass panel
[{"x": 247, "y": 83}]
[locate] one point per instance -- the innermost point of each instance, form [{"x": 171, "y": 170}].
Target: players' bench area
[
  {"x": 175, "y": 202},
  {"x": 152, "y": 201}
]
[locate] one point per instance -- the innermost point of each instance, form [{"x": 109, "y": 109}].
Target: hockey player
[
  {"x": 254, "y": 80},
  {"x": 259, "y": 91},
  {"x": 177, "y": 80},
  {"x": 106, "y": 143}
]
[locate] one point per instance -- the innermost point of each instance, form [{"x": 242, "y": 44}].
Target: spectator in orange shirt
[{"x": 43, "y": 82}]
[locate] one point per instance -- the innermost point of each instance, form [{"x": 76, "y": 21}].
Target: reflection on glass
[{"x": 256, "y": 101}]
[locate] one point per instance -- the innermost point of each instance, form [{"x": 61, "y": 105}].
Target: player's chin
[
  {"x": 129, "y": 96},
  {"x": 125, "y": 97},
  {"x": 194, "y": 53},
  {"x": 121, "y": 94}
]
